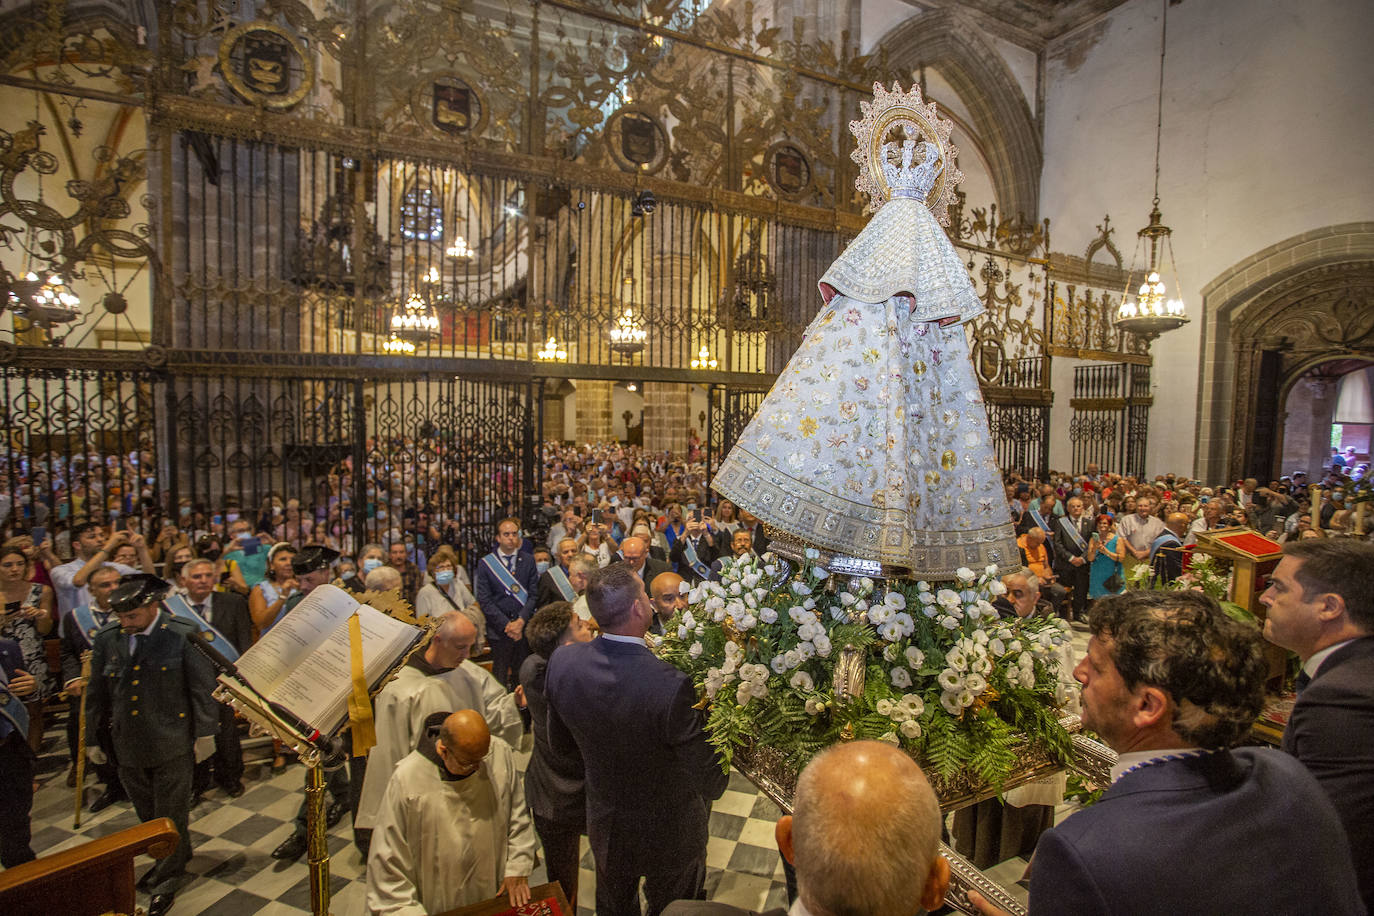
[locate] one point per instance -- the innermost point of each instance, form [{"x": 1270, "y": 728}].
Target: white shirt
[
  {"x": 616, "y": 637},
  {"x": 1315, "y": 662},
  {"x": 63, "y": 586}
]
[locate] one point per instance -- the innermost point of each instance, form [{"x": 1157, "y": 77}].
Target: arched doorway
[{"x": 1307, "y": 413}]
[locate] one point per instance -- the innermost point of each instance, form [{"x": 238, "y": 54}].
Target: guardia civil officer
[{"x": 153, "y": 689}]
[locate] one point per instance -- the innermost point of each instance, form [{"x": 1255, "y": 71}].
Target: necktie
[
  {"x": 200, "y": 609},
  {"x": 1303, "y": 680},
  {"x": 510, "y": 563}
]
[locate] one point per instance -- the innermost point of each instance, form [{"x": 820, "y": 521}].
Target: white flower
[
  {"x": 695, "y": 595},
  {"x": 861, "y": 605},
  {"x": 793, "y": 658},
  {"x": 895, "y": 600},
  {"x": 732, "y": 649},
  {"x": 688, "y": 620},
  {"x": 981, "y": 665},
  {"x": 964, "y": 574},
  {"x": 997, "y": 647},
  {"x": 925, "y": 597},
  {"x": 847, "y": 599},
  {"x": 910, "y": 729},
  {"x": 809, "y": 604},
  {"x": 820, "y": 572},
  {"x": 912, "y": 704},
  {"x": 656, "y": 641},
  {"x": 1027, "y": 678},
  {"x": 734, "y": 607},
  {"x": 751, "y": 579},
  {"x": 980, "y": 637},
  {"x": 890, "y": 653},
  {"x": 771, "y": 569},
  {"x": 757, "y": 673},
  {"x": 715, "y": 602},
  {"x": 950, "y": 701},
  {"x": 949, "y": 622},
  {"x": 884, "y": 707},
  {"x": 734, "y": 588},
  {"x": 947, "y": 598},
  {"x": 976, "y": 683},
  {"x": 801, "y": 588},
  {"x": 956, "y": 659},
  {"x": 696, "y": 650},
  {"x": 879, "y": 614},
  {"x": 768, "y": 615},
  {"x": 808, "y": 631},
  {"x": 949, "y": 679},
  {"x": 729, "y": 666},
  {"x": 889, "y": 738},
  {"x": 986, "y": 609},
  {"x": 915, "y": 657},
  {"x": 900, "y": 677},
  {"x": 806, "y": 650},
  {"x": 743, "y": 693},
  {"x": 802, "y": 681},
  {"x": 866, "y": 585},
  {"x": 718, "y": 615},
  {"x": 758, "y": 689},
  {"x": 750, "y": 601},
  {"x": 747, "y": 622},
  {"x": 822, "y": 644},
  {"x": 996, "y": 587},
  {"x": 966, "y": 697},
  {"x": 891, "y": 631},
  {"x": 837, "y": 612},
  {"x": 684, "y": 587},
  {"x": 990, "y": 570},
  {"x": 813, "y": 708},
  {"x": 760, "y": 593},
  {"x": 683, "y": 632},
  {"x": 715, "y": 679},
  {"x": 778, "y": 664},
  {"x": 812, "y": 553}
]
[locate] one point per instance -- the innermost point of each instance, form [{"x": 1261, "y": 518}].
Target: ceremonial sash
[
  {"x": 1163, "y": 541},
  {"x": 560, "y": 579},
  {"x": 1071, "y": 529},
  {"x": 178, "y": 607},
  {"x": 12, "y": 709},
  {"x": 1039, "y": 519},
  {"x": 504, "y": 576},
  {"x": 693, "y": 560},
  {"x": 86, "y": 623}
]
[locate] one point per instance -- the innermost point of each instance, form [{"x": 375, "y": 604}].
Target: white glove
[
  {"x": 204, "y": 748},
  {"x": 96, "y": 756}
]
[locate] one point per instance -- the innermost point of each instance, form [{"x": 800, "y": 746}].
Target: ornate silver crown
[{"x": 911, "y": 178}]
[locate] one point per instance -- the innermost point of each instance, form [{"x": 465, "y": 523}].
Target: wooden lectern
[{"x": 1253, "y": 557}]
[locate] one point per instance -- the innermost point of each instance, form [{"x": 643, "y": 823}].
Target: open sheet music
[{"x": 304, "y": 662}]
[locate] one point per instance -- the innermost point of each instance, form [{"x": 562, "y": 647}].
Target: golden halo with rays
[{"x": 894, "y": 108}]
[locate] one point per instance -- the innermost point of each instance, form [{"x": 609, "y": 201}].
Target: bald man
[
  {"x": 665, "y": 594},
  {"x": 1166, "y": 552},
  {"x": 635, "y": 553},
  {"x": 440, "y": 679},
  {"x": 453, "y": 828},
  {"x": 852, "y": 800}
]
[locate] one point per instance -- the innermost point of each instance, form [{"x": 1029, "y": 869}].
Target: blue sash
[
  {"x": 11, "y": 707},
  {"x": 1071, "y": 529},
  {"x": 85, "y": 621},
  {"x": 1039, "y": 519},
  {"x": 560, "y": 579},
  {"x": 504, "y": 576},
  {"x": 177, "y": 606},
  {"x": 1163, "y": 541},
  {"x": 693, "y": 560}
]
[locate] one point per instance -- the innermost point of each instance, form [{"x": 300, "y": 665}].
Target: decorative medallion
[
  {"x": 637, "y": 141},
  {"x": 448, "y": 104},
  {"x": 266, "y": 65},
  {"x": 788, "y": 170},
  {"x": 888, "y": 112}
]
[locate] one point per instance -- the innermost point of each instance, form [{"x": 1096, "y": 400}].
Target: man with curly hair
[{"x": 1189, "y": 824}]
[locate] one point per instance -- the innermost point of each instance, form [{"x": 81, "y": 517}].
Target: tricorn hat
[{"x": 136, "y": 590}]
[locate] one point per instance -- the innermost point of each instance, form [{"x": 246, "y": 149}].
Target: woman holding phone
[{"x": 27, "y": 619}]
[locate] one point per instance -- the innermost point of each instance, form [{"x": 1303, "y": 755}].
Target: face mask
[
  {"x": 444, "y": 577},
  {"x": 370, "y": 564},
  {"x": 211, "y": 553},
  {"x": 185, "y": 511},
  {"x": 231, "y": 517},
  {"x": 542, "y": 566},
  {"x": 244, "y": 537},
  {"x": 347, "y": 574}
]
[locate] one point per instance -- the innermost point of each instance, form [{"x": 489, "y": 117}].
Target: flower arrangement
[{"x": 797, "y": 661}]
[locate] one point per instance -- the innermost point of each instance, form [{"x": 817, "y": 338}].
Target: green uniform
[{"x": 156, "y": 699}]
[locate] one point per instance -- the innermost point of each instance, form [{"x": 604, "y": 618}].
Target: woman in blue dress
[{"x": 1106, "y": 552}]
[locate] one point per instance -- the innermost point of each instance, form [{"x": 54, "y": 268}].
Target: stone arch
[
  {"x": 1268, "y": 319},
  {"x": 950, "y": 42}
]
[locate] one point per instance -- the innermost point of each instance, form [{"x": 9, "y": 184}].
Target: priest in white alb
[
  {"x": 453, "y": 828},
  {"x": 440, "y": 679}
]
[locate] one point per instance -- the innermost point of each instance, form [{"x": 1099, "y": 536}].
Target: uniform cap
[
  {"x": 136, "y": 590},
  {"x": 309, "y": 559}
]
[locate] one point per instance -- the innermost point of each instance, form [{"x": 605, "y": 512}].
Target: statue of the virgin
[{"x": 872, "y": 448}]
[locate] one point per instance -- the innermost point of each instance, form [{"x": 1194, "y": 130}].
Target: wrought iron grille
[{"x": 1110, "y": 424}]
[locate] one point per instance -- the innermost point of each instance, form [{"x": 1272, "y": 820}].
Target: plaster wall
[{"x": 1266, "y": 135}]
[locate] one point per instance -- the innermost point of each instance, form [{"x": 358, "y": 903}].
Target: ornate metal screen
[{"x": 1111, "y": 410}]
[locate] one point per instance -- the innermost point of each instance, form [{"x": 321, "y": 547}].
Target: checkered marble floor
[{"x": 235, "y": 874}]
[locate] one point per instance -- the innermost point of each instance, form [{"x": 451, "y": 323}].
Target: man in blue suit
[
  {"x": 650, "y": 774},
  {"x": 505, "y": 587},
  {"x": 1320, "y": 604},
  {"x": 1188, "y": 825}
]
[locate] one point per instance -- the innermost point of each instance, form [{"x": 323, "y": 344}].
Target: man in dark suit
[
  {"x": 505, "y": 590},
  {"x": 1073, "y": 534},
  {"x": 228, "y": 614},
  {"x": 554, "y": 584},
  {"x": 748, "y": 521},
  {"x": 635, "y": 554},
  {"x": 693, "y": 551},
  {"x": 1188, "y": 825},
  {"x": 840, "y": 821},
  {"x": 650, "y": 774},
  {"x": 78, "y": 629},
  {"x": 1320, "y": 604},
  {"x": 153, "y": 688},
  {"x": 741, "y": 545}
]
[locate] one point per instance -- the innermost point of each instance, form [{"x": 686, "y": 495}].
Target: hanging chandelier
[
  {"x": 415, "y": 321},
  {"x": 627, "y": 333},
  {"x": 398, "y": 346},
  {"x": 704, "y": 359},
  {"x": 1151, "y": 311},
  {"x": 44, "y": 302},
  {"x": 552, "y": 351},
  {"x": 459, "y": 250}
]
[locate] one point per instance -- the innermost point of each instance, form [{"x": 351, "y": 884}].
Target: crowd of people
[{"x": 616, "y": 732}]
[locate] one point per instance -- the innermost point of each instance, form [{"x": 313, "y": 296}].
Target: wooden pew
[{"x": 88, "y": 880}]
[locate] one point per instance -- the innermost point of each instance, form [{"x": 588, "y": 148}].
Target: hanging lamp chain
[{"x": 1159, "y": 113}]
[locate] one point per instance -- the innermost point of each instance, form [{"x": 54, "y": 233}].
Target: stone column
[
  {"x": 594, "y": 410},
  {"x": 667, "y": 417},
  {"x": 1324, "y": 392},
  {"x": 553, "y": 417}
]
